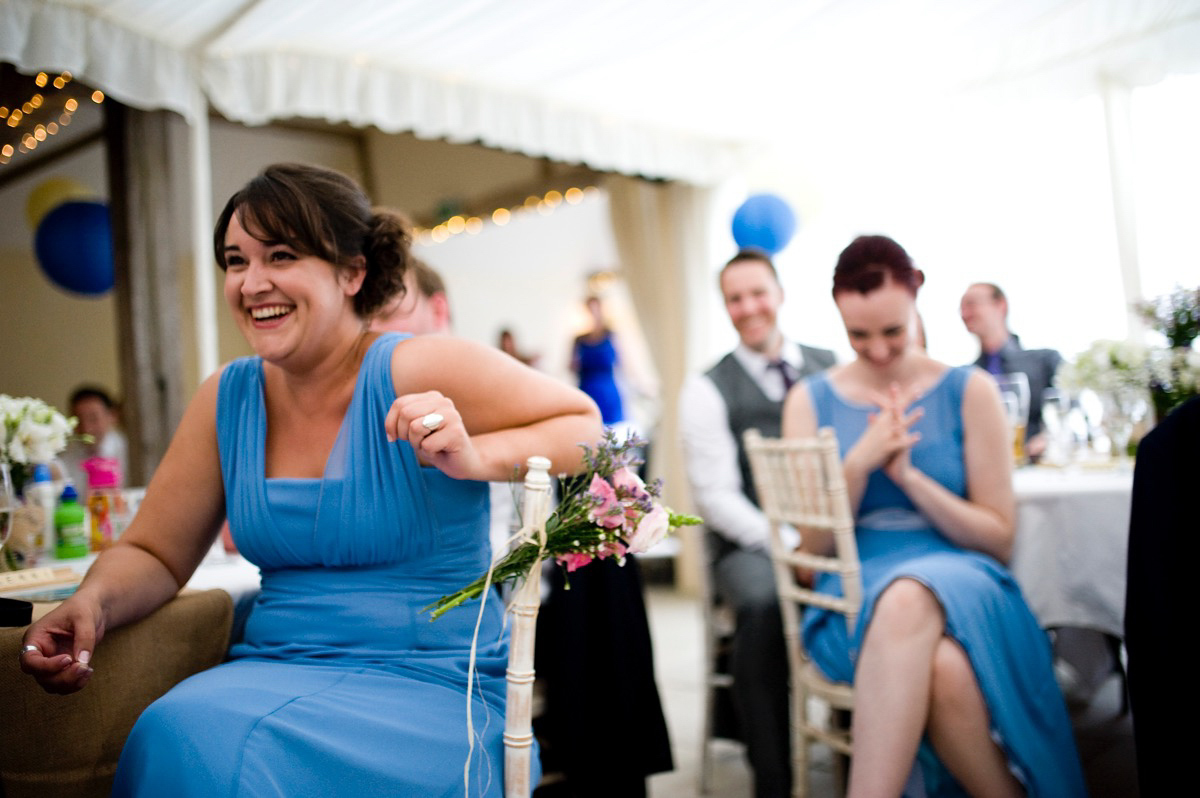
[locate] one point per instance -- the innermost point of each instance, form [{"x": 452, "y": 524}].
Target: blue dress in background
[
  {"x": 596, "y": 363},
  {"x": 341, "y": 686},
  {"x": 985, "y": 612}
]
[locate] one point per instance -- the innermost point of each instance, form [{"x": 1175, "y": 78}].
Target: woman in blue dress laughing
[{"x": 352, "y": 467}]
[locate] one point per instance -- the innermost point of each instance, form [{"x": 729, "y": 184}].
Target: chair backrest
[
  {"x": 518, "y": 716},
  {"x": 800, "y": 482}
]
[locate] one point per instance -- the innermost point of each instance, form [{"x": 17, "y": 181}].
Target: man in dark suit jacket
[
  {"x": 744, "y": 390},
  {"x": 1159, "y": 598},
  {"x": 984, "y": 310}
]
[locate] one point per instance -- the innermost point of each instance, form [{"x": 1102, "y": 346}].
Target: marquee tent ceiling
[{"x": 665, "y": 88}]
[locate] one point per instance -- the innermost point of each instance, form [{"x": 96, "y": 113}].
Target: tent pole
[
  {"x": 202, "y": 255},
  {"x": 1118, "y": 120}
]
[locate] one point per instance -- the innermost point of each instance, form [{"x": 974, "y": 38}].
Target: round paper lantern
[
  {"x": 74, "y": 247},
  {"x": 764, "y": 221},
  {"x": 49, "y": 194}
]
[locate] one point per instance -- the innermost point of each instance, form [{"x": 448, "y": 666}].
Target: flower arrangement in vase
[
  {"x": 31, "y": 432},
  {"x": 1120, "y": 374}
]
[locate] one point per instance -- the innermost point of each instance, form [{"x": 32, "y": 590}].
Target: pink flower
[
  {"x": 629, "y": 482},
  {"x": 610, "y": 548},
  {"x": 608, "y": 512},
  {"x": 574, "y": 560},
  {"x": 651, "y": 529}
]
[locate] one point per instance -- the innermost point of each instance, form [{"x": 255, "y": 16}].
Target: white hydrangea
[
  {"x": 31, "y": 431},
  {"x": 1108, "y": 367}
]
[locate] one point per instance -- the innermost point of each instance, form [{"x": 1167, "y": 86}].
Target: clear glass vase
[
  {"x": 8, "y": 503},
  {"x": 1123, "y": 409}
]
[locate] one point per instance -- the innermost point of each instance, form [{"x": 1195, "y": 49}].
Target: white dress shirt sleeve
[{"x": 712, "y": 466}]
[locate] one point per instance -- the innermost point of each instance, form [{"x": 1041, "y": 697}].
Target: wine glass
[
  {"x": 1123, "y": 409},
  {"x": 1060, "y": 440},
  {"x": 1014, "y": 391},
  {"x": 8, "y": 503}
]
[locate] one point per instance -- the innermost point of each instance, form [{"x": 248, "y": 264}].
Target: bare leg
[
  {"x": 958, "y": 727},
  {"x": 892, "y": 685}
]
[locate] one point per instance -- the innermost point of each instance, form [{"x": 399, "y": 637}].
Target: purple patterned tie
[{"x": 785, "y": 372}]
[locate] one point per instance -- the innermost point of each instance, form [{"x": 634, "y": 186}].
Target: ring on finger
[
  {"x": 432, "y": 421},
  {"x": 26, "y": 649}
]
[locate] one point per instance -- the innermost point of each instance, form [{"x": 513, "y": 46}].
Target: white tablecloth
[{"x": 1071, "y": 545}]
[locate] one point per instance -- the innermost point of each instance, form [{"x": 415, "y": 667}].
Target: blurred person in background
[
  {"x": 422, "y": 307},
  {"x": 746, "y": 389},
  {"x": 98, "y": 416},
  {"x": 984, "y": 311}
]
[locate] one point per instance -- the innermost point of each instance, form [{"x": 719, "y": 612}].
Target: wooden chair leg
[
  {"x": 706, "y": 763},
  {"x": 799, "y": 743}
]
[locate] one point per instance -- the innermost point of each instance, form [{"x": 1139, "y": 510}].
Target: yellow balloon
[{"x": 51, "y": 193}]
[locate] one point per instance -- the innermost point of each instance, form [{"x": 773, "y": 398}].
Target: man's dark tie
[{"x": 785, "y": 371}]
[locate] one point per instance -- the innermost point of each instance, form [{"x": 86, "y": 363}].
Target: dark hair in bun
[
  {"x": 322, "y": 213},
  {"x": 867, "y": 263}
]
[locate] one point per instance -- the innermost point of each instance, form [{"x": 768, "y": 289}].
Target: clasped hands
[{"x": 889, "y": 438}]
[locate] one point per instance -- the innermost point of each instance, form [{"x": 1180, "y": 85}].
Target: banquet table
[{"x": 1072, "y": 540}]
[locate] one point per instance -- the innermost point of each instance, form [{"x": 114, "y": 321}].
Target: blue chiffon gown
[
  {"x": 985, "y": 612},
  {"x": 341, "y": 686}
]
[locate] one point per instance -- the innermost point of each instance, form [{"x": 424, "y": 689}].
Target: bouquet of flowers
[
  {"x": 31, "y": 432},
  {"x": 607, "y": 512}
]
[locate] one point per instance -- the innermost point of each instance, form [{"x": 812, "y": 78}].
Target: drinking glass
[
  {"x": 1060, "y": 440},
  {"x": 1123, "y": 409},
  {"x": 8, "y": 503},
  {"x": 1014, "y": 391}
]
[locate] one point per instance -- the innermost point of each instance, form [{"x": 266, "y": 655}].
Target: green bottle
[{"x": 70, "y": 533}]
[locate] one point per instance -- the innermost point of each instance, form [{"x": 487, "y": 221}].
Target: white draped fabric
[
  {"x": 661, "y": 231},
  {"x": 678, "y": 89}
]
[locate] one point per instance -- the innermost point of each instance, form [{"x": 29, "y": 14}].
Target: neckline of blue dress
[
  {"x": 334, "y": 465},
  {"x": 933, "y": 389}
]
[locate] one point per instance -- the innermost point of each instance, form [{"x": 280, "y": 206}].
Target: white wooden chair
[
  {"x": 518, "y": 716},
  {"x": 719, "y": 625},
  {"x": 800, "y": 482}
]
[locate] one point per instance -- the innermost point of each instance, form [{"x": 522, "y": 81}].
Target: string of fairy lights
[
  {"x": 28, "y": 122},
  {"x": 472, "y": 225},
  {"x": 26, "y": 116}
]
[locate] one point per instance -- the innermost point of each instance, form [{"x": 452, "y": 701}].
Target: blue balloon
[
  {"x": 764, "y": 221},
  {"x": 74, "y": 246}
]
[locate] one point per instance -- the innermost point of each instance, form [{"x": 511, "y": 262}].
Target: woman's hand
[
  {"x": 887, "y": 440},
  {"x": 64, "y": 639},
  {"x": 440, "y": 442}
]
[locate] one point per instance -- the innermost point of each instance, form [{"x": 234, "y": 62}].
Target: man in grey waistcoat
[{"x": 745, "y": 390}]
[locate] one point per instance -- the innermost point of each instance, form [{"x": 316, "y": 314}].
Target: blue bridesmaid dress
[
  {"x": 341, "y": 686},
  {"x": 985, "y": 612}
]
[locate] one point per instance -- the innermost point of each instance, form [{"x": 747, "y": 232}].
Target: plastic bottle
[
  {"x": 69, "y": 530},
  {"x": 105, "y": 501},
  {"x": 42, "y": 493}
]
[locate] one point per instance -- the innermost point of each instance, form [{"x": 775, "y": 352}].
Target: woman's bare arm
[
  {"x": 984, "y": 521},
  {"x": 174, "y": 526},
  {"x": 499, "y": 411}
]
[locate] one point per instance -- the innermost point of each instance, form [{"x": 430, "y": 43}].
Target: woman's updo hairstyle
[
  {"x": 322, "y": 213},
  {"x": 867, "y": 263}
]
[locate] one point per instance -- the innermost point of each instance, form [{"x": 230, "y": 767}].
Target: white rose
[{"x": 651, "y": 529}]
